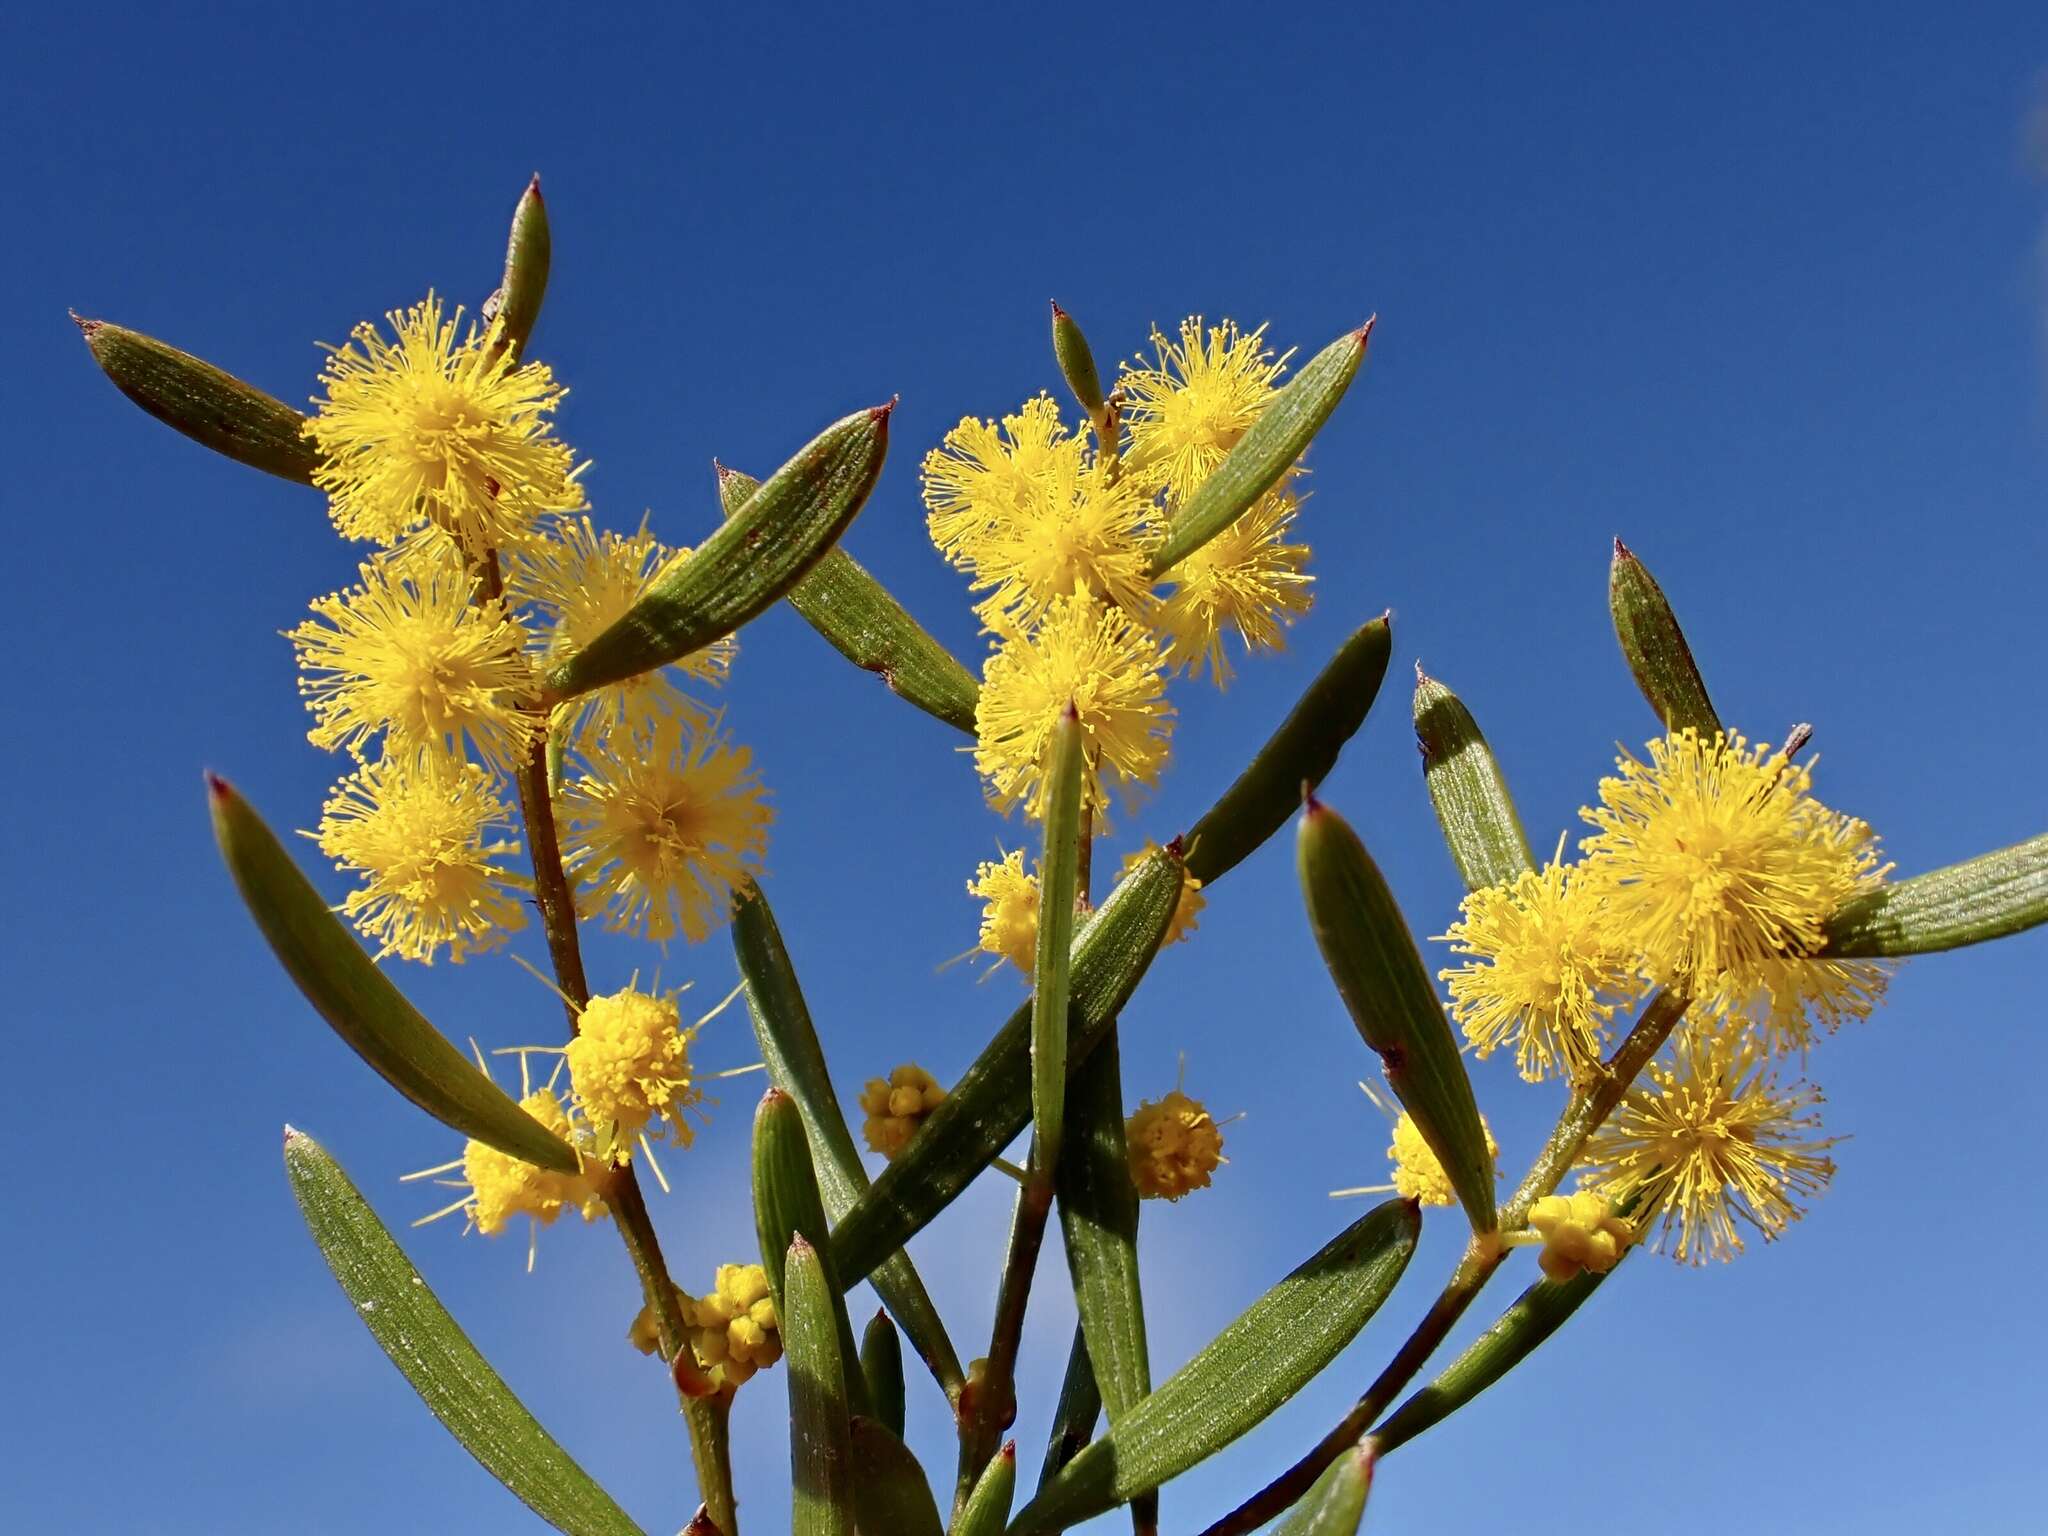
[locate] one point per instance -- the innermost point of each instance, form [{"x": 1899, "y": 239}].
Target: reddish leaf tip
[
  {"x": 217, "y": 788},
  {"x": 880, "y": 413},
  {"x": 1009, "y": 1450},
  {"x": 1310, "y": 805},
  {"x": 1057, "y": 312},
  {"x": 1621, "y": 550},
  {"x": 1363, "y": 335},
  {"x": 800, "y": 1246}
]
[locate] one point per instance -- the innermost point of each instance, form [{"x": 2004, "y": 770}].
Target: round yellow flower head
[
  {"x": 1247, "y": 579},
  {"x": 1009, "y": 914},
  {"x": 1187, "y": 410},
  {"x": 896, "y": 1106},
  {"x": 1712, "y": 861},
  {"x": 501, "y": 1186},
  {"x": 1417, "y": 1173},
  {"x": 1541, "y": 965},
  {"x": 1786, "y": 997},
  {"x": 1580, "y": 1234},
  {"x": 408, "y": 652},
  {"x": 437, "y": 430},
  {"x": 1174, "y": 1146},
  {"x": 1707, "y": 1138},
  {"x": 417, "y": 828},
  {"x": 734, "y": 1329},
  {"x": 1186, "y": 912},
  {"x": 984, "y": 478},
  {"x": 629, "y": 1067},
  {"x": 661, "y": 827},
  {"x": 1108, "y": 668}
]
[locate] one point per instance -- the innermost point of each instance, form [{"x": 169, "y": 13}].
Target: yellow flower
[
  {"x": 1174, "y": 1146},
  {"x": 498, "y": 1186},
  {"x": 1580, "y": 1234},
  {"x": 586, "y": 581},
  {"x": 661, "y": 827},
  {"x": 983, "y": 477},
  {"x": 417, "y": 828},
  {"x": 1708, "y": 1138},
  {"x": 434, "y": 430},
  {"x": 1186, "y": 911},
  {"x": 407, "y": 652},
  {"x": 1712, "y": 861},
  {"x": 1417, "y": 1174},
  {"x": 1187, "y": 411},
  {"x": 1540, "y": 964},
  {"x": 1247, "y": 579},
  {"x": 1786, "y": 996},
  {"x": 733, "y": 1331},
  {"x": 1009, "y": 914},
  {"x": 1108, "y": 668},
  {"x": 896, "y": 1106},
  {"x": 629, "y": 1068}
]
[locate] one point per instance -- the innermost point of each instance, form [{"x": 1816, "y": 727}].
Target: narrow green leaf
[
  {"x": 1268, "y": 447},
  {"x": 745, "y": 565},
  {"x": 787, "y": 1206},
  {"x": 1059, "y": 869},
  {"x": 1335, "y": 1506},
  {"x": 796, "y": 1064},
  {"x": 1988, "y": 897},
  {"x": 820, "y": 1428},
  {"x": 1379, "y": 973},
  {"x": 989, "y": 1505},
  {"x": 881, "y": 1366},
  {"x": 528, "y": 253},
  {"x": 1077, "y": 361},
  {"x": 1655, "y": 649},
  {"x": 1538, "y": 1313},
  {"x": 1302, "y": 751},
  {"x": 1271, "y": 1352},
  {"x": 1465, "y": 785},
  {"x": 861, "y": 621},
  {"x": 1099, "y": 1219},
  {"x": 203, "y": 402},
  {"x": 433, "y": 1353},
  {"x": 890, "y": 1494},
  {"x": 991, "y": 1102},
  {"x": 358, "y": 1000},
  {"x": 1074, "y": 1415}
]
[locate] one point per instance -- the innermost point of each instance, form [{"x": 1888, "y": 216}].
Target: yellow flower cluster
[
  {"x": 629, "y": 1067},
  {"x": 439, "y": 446},
  {"x": 1581, "y": 1235},
  {"x": 896, "y": 1106},
  {"x": 1174, "y": 1145},
  {"x": 733, "y": 1330},
  {"x": 1418, "y": 1174}
]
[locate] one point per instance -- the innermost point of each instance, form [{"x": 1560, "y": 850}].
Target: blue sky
[{"x": 1763, "y": 293}]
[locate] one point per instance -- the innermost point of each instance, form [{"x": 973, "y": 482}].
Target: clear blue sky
[{"x": 1763, "y": 293}]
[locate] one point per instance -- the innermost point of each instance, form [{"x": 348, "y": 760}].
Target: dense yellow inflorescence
[
  {"x": 1174, "y": 1145},
  {"x": 896, "y": 1106},
  {"x": 629, "y": 1067}
]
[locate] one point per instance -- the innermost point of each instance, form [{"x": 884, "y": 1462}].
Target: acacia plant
[{"x": 524, "y": 705}]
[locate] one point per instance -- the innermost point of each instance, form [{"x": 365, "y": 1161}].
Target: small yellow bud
[
  {"x": 896, "y": 1106},
  {"x": 1579, "y": 1234},
  {"x": 733, "y": 1330}
]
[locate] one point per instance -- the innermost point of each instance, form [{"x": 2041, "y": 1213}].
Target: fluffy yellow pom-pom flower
[
  {"x": 417, "y": 828},
  {"x": 1174, "y": 1145},
  {"x": 896, "y": 1106},
  {"x": 661, "y": 827},
  {"x": 629, "y": 1067},
  {"x": 1417, "y": 1174},
  {"x": 1247, "y": 579},
  {"x": 437, "y": 430},
  {"x": 1188, "y": 408},
  {"x": 1709, "y": 1138},
  {"x": 1712, "y": 861},
  {"x": 1009, "y": 912},
  {"x": 985, "y": 477},
  {"x": 1108, "y": 668},
  {"x": 408, "y": 652},
  {"x": 1580, "y": 1234},
  {"x": 498, "y": 1186}
]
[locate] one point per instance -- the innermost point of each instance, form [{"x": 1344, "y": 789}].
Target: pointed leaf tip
[
  {"x": 1621, "y": 550},
  {"x": 1009, "y": 1450},
  {"x": 880, "y": 413}
]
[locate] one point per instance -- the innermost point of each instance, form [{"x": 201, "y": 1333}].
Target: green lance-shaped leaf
[
  {"x": 1655, "y": 647},
  {"x": 988, "y": 1506},
  {"x": 991, "y": 1102},
  {"x": 203, "y": 402},
  {"x": 861, "y": 621},
  {"x": 1274, "y": 1349},
  {"x": 796, "y": 1064},
  {"x": 787, "y": 1206},
  {"x": 1099, "y": 1220},
  {"x": 1268, "y": 447},
  {"x": 881, "y": 1366},
  {"x": 1335, "y": 1506},
  {"x": 1465, "y": 785},
  {"x": 1536, "y": 1314},
  {"x": 1988, "y": 897},
  {"x": 1077, "y": 361},
  {"x": 1302, "y": 751},
  {"x": 357, "y": 999},
  {"x": 820, "y": 1428},
  {"x": 434, "y": 1354},
  {"x": 746, "y": 564},
  {"x": 1059, "y": 870},
  {"x": 1074, "y": 1415},
  {"x": 890, "y": 1494},
  {"x": 1380, "y": 975},
  {"x": 528, "y": 252}
]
